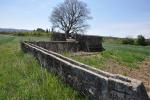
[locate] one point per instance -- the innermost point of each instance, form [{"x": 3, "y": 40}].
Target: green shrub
[
  {"x": 141, "y": 40},
  {"x": 40, "y": 30},
  {"x": 20, "y": 33},
  {"x": 128, "y": 41}
]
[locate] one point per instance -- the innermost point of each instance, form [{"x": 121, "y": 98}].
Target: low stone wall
[
  {"x": 87, "y": 43},
  {"x": 59, "y": 46},
  {"x": 90, "y": 43},
  {"x": 96, "y": 84},
  {"x": 56, "y": 36},
  {"x": 65, "y": 46}
]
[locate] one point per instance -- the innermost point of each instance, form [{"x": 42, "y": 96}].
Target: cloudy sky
[{"x": 119, "y": 18}]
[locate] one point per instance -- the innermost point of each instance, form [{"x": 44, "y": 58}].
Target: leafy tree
[
  {"x": 46, "y": 31},
  {"x": 70, "y": 17},
  {"x": 141, "y": 40},
  {"x": 40, "y": 30}
]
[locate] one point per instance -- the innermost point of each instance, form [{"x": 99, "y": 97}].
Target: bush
[
  {"x": 128, "y": 41},
  {"x": 20, "y": 33},
  {"x": 141, "y": 40},
  {"x": 40, "y": 30}
]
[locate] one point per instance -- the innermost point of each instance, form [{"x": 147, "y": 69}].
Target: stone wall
[
  {"x": 96, "y": 84},
  {"x": 59, "y": 46},
  {"x": 58, "y": 36},
  {"x": 86, "y": 42},
  {"x": 65, "y": 46},
  {"x": 90, "y": 43}
]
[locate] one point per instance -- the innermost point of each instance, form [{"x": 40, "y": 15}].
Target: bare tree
[{"x": 70, "y": 17}]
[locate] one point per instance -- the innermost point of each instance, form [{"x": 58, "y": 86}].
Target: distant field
[
  {"x": 22, "y": 78},
  {"x": 116, "y": 40},
  {"x": 30, "y": 33}
]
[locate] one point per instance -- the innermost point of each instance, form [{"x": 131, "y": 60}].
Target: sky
[{"x": 119, "y": 18}]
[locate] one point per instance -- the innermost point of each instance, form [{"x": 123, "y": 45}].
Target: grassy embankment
[{"x": 21, "y": 77}]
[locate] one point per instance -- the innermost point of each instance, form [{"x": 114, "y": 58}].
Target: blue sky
[{"x": 120, "y": 18}]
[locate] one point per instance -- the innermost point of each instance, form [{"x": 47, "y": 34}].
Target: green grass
[
  {"x": 126, "y": 55},
  {"x": 21, "y": 77}
]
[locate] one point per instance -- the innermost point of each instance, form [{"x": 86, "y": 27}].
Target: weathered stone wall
[
  {"x": 96, "y": 84},
  {"x": 59, "y": 46},
  {"x": 58, "y": 36},
  {"x": 64, "y": 46},
  {"x": 90, "y": 43},
  {"x": 86, "y": 42}
]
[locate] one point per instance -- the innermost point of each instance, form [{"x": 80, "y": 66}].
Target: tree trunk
[{"x": 67, "y": 35}]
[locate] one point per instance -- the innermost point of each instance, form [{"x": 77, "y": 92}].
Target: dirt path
[{"x": 142, "y": 73}]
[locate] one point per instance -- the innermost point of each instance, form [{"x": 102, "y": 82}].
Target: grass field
[{"x": 22, "y": 78}]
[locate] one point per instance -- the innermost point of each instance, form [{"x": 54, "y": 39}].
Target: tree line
[{"x": 139, "y": 41}]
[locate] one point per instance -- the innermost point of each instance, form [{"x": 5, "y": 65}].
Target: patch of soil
[
  {"x": 85, "y": 53},
  {"x": 142, "y": 73}
]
